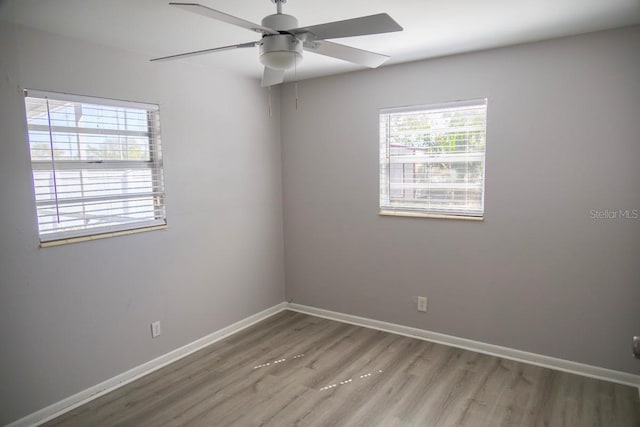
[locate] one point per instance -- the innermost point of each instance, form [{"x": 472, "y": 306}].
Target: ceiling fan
[{"x": 283, "y": 41}]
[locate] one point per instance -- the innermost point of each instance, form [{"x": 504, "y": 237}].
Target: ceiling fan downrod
[{"x": 279, "y": 4}]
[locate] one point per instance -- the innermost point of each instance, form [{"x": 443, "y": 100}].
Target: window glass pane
[
  {"x": 432, "y": 159},
  {"x": 96, "y": 168}
]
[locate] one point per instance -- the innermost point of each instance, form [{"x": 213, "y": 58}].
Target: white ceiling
[{"x": 431, "y": 27}]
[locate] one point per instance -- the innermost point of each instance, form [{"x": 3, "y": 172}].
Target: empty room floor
[{"x": 296, "y": 369}]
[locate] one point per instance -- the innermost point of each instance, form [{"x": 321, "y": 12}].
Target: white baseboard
[
  {"x": 480, "y": 347},
  {"x": 78, "y": 399}
]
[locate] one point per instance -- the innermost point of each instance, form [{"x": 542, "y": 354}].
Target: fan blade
[
  {"x": 346, "y": 53},
  {"x": 224, "y": 17},
  {"x": 272, "y": 77},
  {"x": 202, "y": 52},
  {"x": 374, "y": 24}
]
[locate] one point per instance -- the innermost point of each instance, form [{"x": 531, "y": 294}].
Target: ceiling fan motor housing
[
  {"x": 280, "y": 51},
  {"x": 280, "y": 22}
]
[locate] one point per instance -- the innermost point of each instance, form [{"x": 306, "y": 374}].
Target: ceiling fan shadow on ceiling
[{"x": 283, "y": 42}]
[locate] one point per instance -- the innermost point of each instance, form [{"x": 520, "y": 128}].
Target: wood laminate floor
[{"x": 298, "y": 370}]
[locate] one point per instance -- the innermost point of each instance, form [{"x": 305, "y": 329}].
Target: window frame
[
  {"x": 386, "y": 206},
  {"x": 154, "y": 164}
]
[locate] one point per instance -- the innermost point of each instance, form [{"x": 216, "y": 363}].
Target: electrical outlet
[
  {"x": 155, "y": 329},
  {"x": 422, "y": 304},
  {"x": 636, "y": 347}
]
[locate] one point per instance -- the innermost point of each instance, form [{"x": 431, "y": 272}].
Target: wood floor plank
[
  {"x": 348, "y": 403},
  {"x": 298, "y": 370}
]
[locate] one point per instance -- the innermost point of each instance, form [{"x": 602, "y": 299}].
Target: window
[
  {"x": 97, "y": 165},
  {"x": 432, "y": 159}
]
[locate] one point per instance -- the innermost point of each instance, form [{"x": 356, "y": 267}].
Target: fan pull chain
[
  {"x": 270, "y": 101},
  {"x": 295, "y": 77}
]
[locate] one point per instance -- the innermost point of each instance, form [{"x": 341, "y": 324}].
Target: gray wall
[
  {"x": 539, "y": 274},
  {"x": 76, "y": 315}
]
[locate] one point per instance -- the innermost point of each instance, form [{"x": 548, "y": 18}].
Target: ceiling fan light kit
[
  {"x": 283, "y": 41},
  {"x": 280, "y": 52}
]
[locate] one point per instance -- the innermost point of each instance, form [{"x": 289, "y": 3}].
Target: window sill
[
  {"x": 429, "y": 215},
  {"x": 71, "y": 240}
]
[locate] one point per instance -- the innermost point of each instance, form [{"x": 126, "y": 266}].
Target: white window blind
[
  {"x": 432, "y": 158},
  {"x": 97, "y": 164}
]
